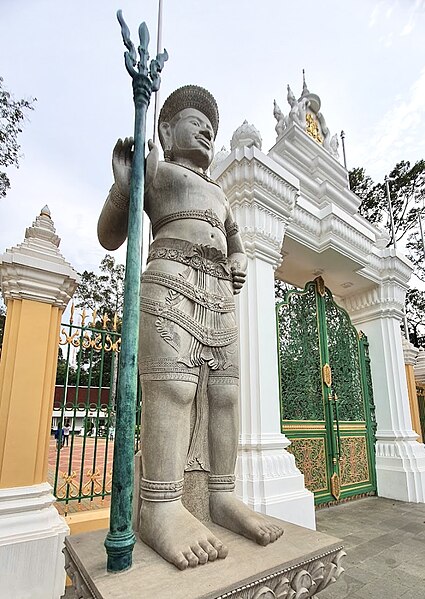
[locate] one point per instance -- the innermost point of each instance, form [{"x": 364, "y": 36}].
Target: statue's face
[{"x": 192, "y": 137}]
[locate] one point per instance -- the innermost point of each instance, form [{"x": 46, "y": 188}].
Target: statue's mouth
[{"x": 204, "y": 141}]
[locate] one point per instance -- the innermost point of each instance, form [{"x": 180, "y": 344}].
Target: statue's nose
[{"x": 207, "y": 133}]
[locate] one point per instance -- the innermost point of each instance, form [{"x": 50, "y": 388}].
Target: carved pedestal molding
[
  {"x": 263, "y": 196},
  {"x": 31, "y": 540},
  {"x": 420, "y": 367},
  {"x": 37, "y": 284},
  {"x": 300, "y": 565},
  {"x": 400, "y": 459}
]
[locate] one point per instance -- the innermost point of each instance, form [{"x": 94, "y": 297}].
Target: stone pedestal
[
  {"x": 299, "y": 564},
  {"x": 37, "y": 284},
  {"x": 262, "y": 196}
]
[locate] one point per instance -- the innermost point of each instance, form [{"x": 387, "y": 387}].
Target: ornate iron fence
[{"x": 83, "y": 422}]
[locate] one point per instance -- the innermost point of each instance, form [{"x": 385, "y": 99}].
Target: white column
[
  {"x": 262, "y": 200},
  {"x": 400, "y": 459}
]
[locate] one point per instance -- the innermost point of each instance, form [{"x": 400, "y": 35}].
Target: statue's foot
[
  {"x": 178, "y": 536},
  {"x": 226, "y": 510}
]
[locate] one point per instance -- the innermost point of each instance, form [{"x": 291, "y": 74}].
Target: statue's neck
[
  {"x": 190, "y": 167},
  {"x": 187, "y": 163}
]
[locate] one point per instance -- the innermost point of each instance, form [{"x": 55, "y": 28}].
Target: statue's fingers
[
  {"x": 128, "y": 151},
  {"x": 117, "y": 148},
  {"x": 239, "y": 277}
]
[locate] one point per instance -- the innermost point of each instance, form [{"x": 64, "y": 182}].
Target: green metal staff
[{"x": 120, "y": 539}]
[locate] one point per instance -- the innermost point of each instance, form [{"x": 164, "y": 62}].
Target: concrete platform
[{"x": 301, "y": 558}]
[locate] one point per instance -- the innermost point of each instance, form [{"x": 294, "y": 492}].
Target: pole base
[{"x": 119, "y": 549}]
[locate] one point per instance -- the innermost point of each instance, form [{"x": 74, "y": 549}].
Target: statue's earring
[{"x": 167, "y": 153}]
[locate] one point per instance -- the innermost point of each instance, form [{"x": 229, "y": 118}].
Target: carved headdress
[{"x": 190, "y": 96}]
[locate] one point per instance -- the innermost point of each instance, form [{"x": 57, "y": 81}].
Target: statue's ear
[{"x": 165, "y": 135}]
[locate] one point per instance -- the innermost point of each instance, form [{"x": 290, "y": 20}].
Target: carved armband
[
  {"x": 231, "y": 228},
  {"x": 118, "y": 199}
]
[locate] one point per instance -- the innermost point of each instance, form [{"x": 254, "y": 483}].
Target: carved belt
[
  {"x": 205, "y": 258},
  {"x": 207, "y": 215},
  {"x": 207, "y": 336},
  {"x": 212, "y": 301}
]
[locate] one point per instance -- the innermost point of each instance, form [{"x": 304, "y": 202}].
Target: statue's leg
[
  {"x": 226, "y": 510},
  {"x": 165, "y": 525}
]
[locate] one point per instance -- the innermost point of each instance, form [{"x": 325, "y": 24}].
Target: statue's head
[{"x": 188, "y": 124}]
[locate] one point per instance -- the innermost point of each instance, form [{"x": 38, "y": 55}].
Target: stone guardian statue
[{"x": 188, "y": 349}]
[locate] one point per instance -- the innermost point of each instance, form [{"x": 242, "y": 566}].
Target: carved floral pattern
[
  {"x": 310, "y": 458},
  {"x": 303, "y": 581},
  {"x": 354, "y": 464}
]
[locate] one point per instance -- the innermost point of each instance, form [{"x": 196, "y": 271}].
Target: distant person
[
  {"x": 66, "y": 431},
  {"x": 111, "y": 433},
  {"x": 58, "y": 437}
]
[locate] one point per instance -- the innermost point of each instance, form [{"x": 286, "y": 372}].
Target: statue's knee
[
  {"x": 176, "y": 392},
  {"x": 224, "y": 396}
]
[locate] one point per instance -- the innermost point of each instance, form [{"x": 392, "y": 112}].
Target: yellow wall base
[{"x": 88, "y": 521}]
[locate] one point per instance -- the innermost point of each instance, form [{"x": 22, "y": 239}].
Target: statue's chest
[{"x": 186, "y": 191}]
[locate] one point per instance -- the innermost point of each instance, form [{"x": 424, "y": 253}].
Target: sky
[{"x": 364, "y": 58}]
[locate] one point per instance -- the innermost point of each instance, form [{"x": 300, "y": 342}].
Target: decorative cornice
[
  {"x": 383, "y": 300},
  {"x": 410, "y": 352},
  {"x": 35, "y": 269},
  {"x": 299, "y": 149},
  {"x": 262, "y": 196},
  {"x": 247, "y": 173}
]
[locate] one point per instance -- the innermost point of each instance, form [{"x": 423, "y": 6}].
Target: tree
[
  {"x": 101, "y": 295},
  {"x": 407, "y": 189},
  {"x": 104, "y": 292},
  {"x": 415, "y": 312},
  {"x": 12, "y": 115}
]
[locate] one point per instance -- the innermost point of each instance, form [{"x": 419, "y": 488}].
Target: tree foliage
[
  {"x": 103, "y": 292},
  {"x": 12, "y": 116},
  {"x": 407, "y": 190},
  {"x": 415, "y": 312}
]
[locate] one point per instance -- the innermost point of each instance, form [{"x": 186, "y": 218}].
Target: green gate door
[{"x": 327, "y": 408}]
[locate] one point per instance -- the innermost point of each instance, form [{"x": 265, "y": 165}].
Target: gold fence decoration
[{"x": 88, "y": 336}]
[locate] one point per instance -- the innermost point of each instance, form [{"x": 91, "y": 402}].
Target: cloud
[
  {"x": 399, "y": 131},
  {"x": 74, "y": 208}
]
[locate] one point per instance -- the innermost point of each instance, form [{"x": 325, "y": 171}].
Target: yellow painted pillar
[
  {"x": 410, "y": 356},
  {"x": 37, "y": 284}
]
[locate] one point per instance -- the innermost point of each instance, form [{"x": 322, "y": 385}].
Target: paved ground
[{"x": 385, "y": 545}]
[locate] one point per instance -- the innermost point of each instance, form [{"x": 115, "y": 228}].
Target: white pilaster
[
  {"x": 31, "y": 540},
  {"x": 400, "y": 459},
  {"x": 263, "y": 196}
]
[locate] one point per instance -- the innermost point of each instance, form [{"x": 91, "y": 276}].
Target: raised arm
[{"x": 113, "y": 220}]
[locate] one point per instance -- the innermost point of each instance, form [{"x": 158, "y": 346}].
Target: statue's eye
[{"x": 197, "y": 123}]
